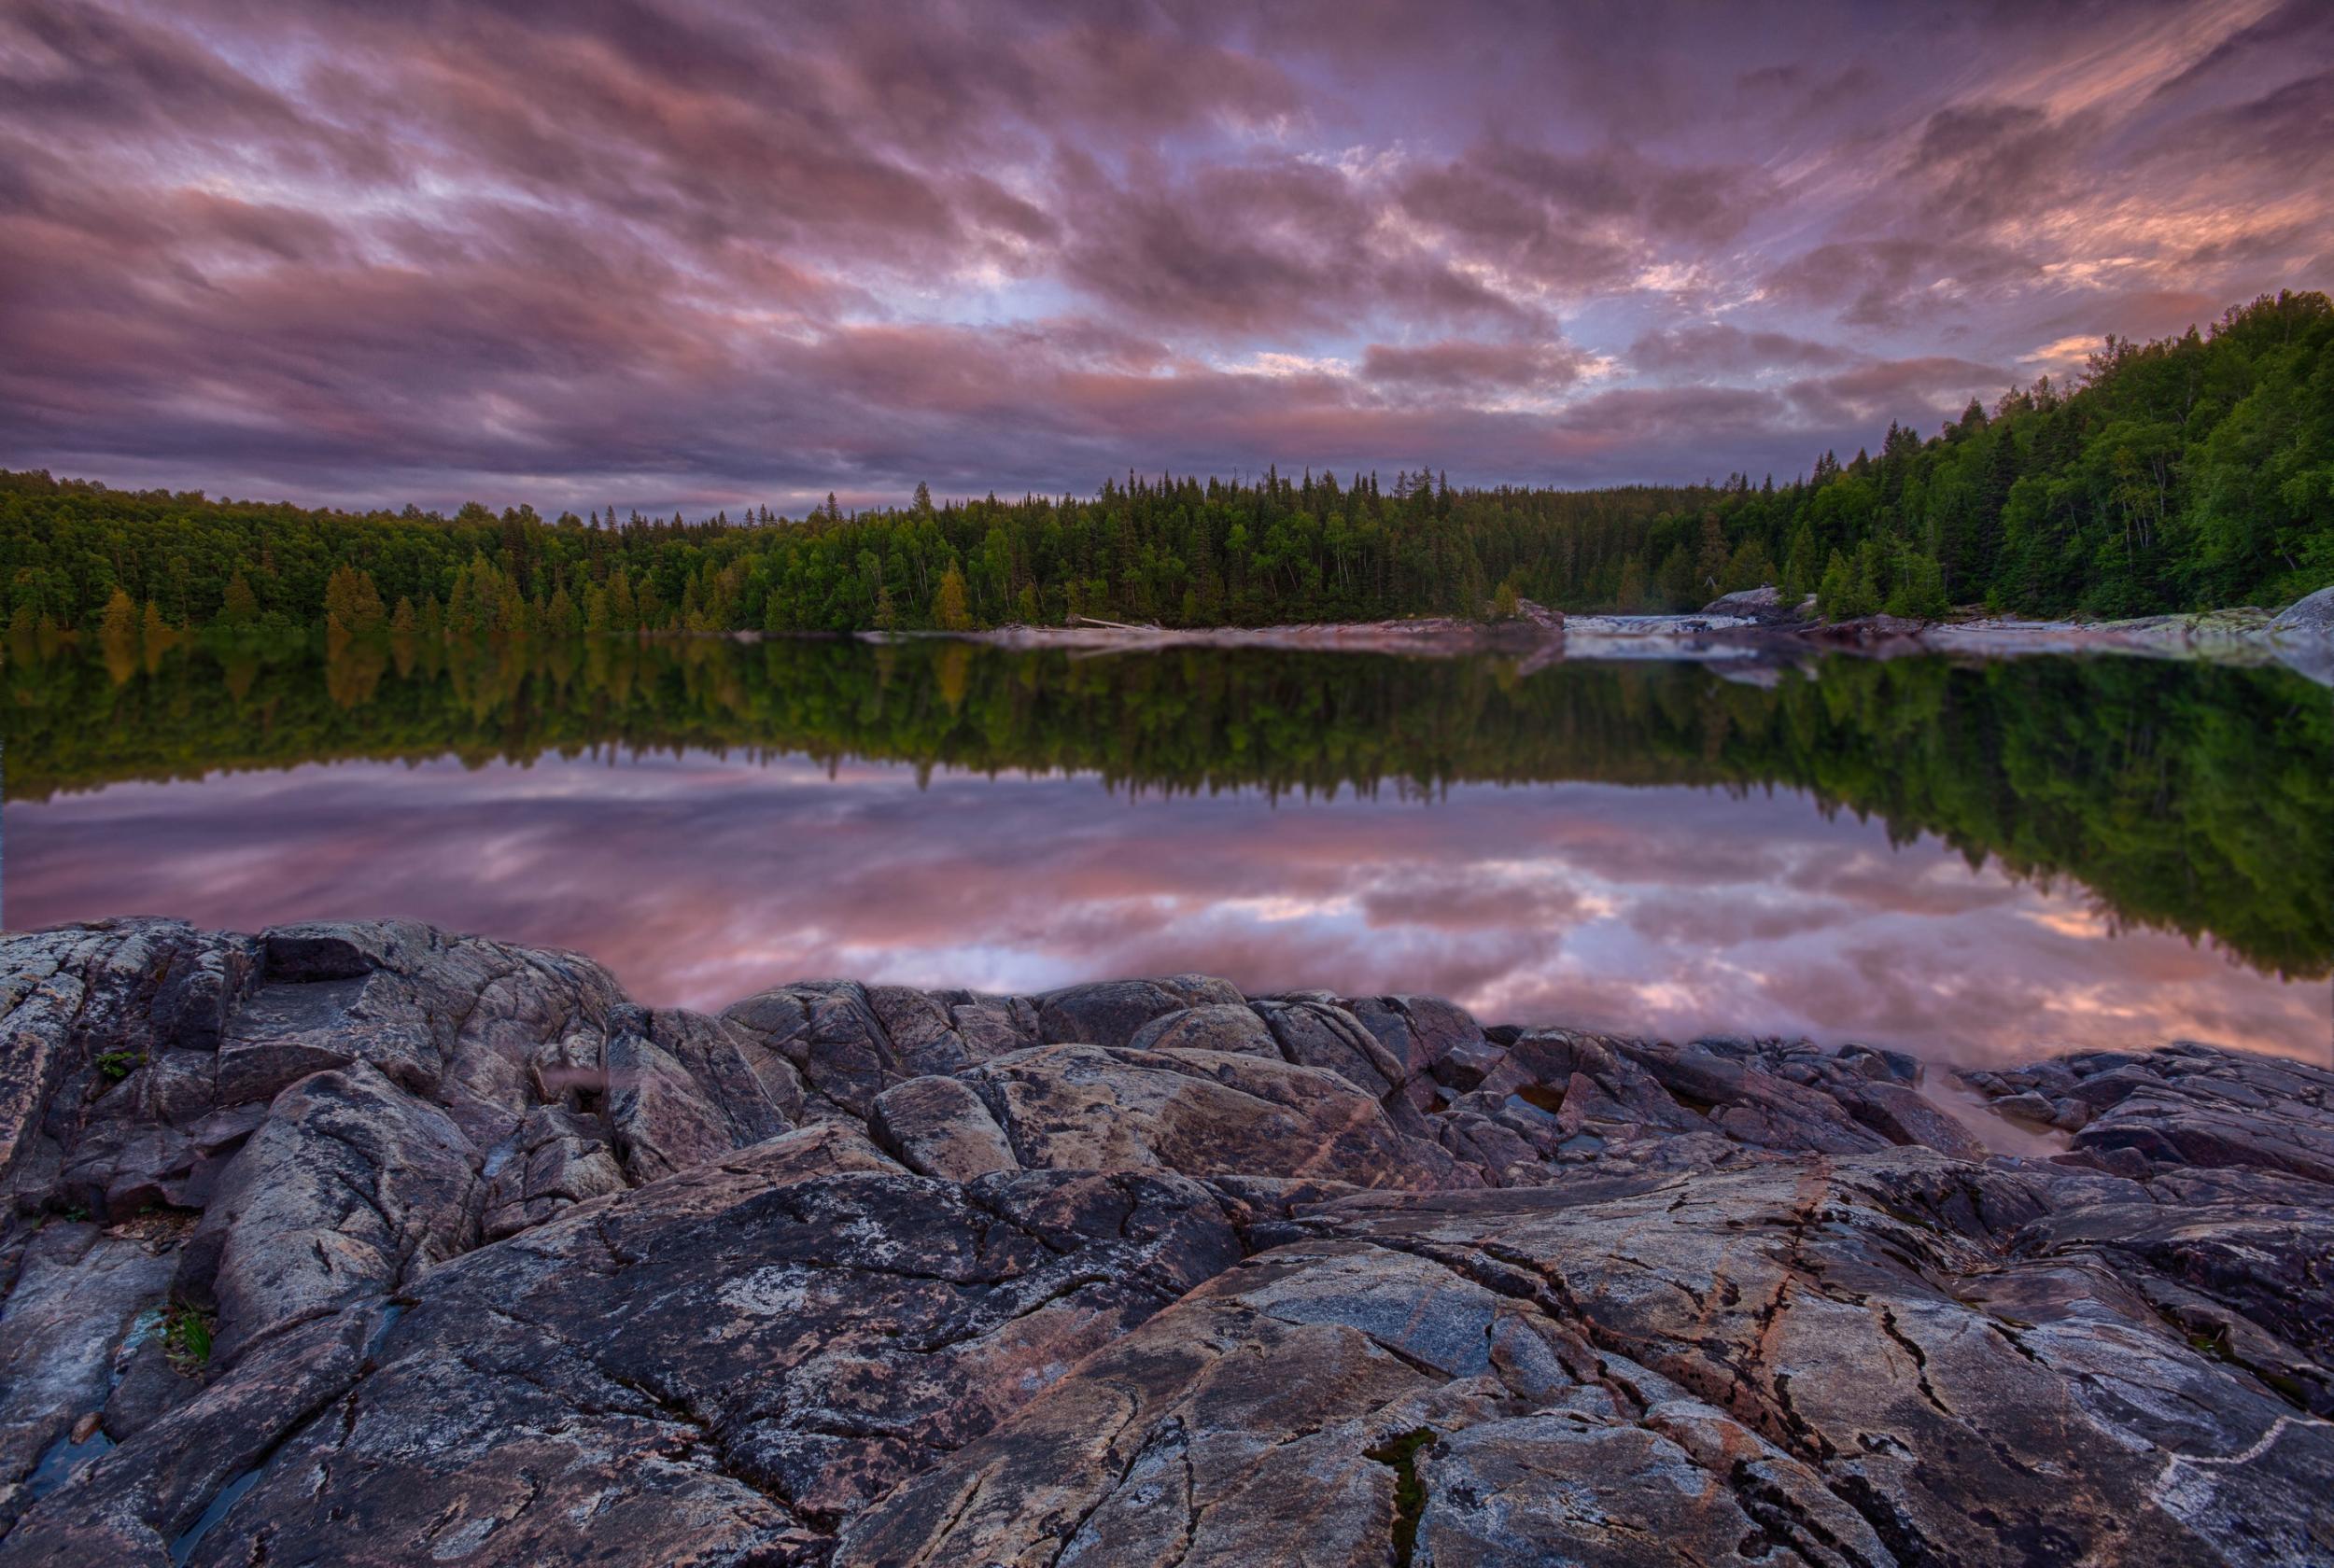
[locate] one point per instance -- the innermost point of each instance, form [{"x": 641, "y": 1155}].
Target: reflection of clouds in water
[{"x": 1665, "y": 910}]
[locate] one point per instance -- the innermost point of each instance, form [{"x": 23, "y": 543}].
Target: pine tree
[
  {"x": 1709, "y": 562},
  {"x": 1802, "y": 572},
  {"x": 1918, "y": 593},
  {"x": 1631, "y": 593}
]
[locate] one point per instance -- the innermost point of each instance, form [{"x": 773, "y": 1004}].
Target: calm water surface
[{"x": 1971, "y": 861}]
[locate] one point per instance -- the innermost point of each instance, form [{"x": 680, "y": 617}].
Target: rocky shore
[
  {"x": 372, "y": 1243},
  {"x": 1755, "y": 626}
]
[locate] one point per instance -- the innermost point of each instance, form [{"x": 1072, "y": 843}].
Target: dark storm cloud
[{"x": 698, "y": 251}]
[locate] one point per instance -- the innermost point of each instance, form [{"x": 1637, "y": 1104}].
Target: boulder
[
  {"x": 1199, "y": 1113},
  {"x": 1224, "y": 1026},
  {"x": 938, "y": 1127},
  {"x": 348, "y": 1188},
  {"x": 683, "y": 1089},
  {"x": 992, "y": 1026},
  {"x": 831, "y": 1033},
  {"x": 1111, "y": 1011},
  {"x": 2311, "y": 616},
  {"x": 556, "y": 1159},
  {"x": 1905, "y": 1115},
  {"x": 1765, "y": 605}
]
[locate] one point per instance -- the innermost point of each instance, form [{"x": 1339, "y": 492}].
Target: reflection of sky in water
[{"x": 1670, "y": 910}]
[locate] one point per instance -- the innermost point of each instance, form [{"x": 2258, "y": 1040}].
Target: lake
[{"x": 1978, "y": 862}]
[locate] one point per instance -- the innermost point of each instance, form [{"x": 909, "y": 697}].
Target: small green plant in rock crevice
[
  {"x": 114, "y": 1066},
  {"x": 187, "y": 1338},
  {"x": 1399, "y": 1454}
]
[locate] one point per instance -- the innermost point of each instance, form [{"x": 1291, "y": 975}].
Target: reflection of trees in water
[{"x": 2184, "y": 796}]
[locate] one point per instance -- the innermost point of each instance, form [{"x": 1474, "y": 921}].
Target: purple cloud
[{"x": 698, "y": 253}]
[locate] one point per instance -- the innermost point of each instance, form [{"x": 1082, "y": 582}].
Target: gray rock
[
  {"x": 530, "y": 1275},
  {"x": 683, "y": 1089},
  {"x": 556, "y": 1160},
  {"x": 830, "y": 1032},
  {"x": 994, "y": 1026},
  {"x": 1905, "y": 1115},
  {"x": 1111, "y": 1011},
  {"x": 937, "y": 1127},
  {"x": 1195, "y": 1113},
  {"x": 1218, "y": 1026},
  {"x": 78, "y": 1295},
  {"x": 1765, "y": 606},
  {"x": 348, "y": 1189},
  {"x": 2310, "y": 616},
  {"x": 922, "y": 1031}
]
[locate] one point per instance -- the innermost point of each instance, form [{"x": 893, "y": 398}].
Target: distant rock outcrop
[
  {"x": 2311, "y": 616},
  {"x": 372, "y": 1243},
  {"x": 1765, "y": 607}
]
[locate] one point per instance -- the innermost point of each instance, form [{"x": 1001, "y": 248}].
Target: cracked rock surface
[{"x": 372, "y": 1244}]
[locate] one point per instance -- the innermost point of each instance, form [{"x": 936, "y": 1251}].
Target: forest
[{"x": 2192, "y": 472}]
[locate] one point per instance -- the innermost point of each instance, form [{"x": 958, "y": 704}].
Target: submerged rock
[{"x": 374, "y": 1243}]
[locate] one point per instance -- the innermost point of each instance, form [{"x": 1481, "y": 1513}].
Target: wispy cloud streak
[{"x": 693, "y": 252}]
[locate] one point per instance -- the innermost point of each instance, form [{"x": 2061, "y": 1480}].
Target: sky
[{"x": 668, "y": 253}]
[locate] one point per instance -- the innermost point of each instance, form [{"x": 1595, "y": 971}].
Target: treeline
[
  {"x": 2187, "y": 797},
  {"x": 2193, "y": 473}
]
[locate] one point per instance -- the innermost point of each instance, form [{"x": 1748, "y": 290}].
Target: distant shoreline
[{"x": 2302, "y": 637}]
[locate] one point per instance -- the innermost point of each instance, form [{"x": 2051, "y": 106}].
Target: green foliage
[
  {"x": 947, "y": 606},
  {"x": 1401, "y": 1455},
  {"x": 2190, "y": 797},
  {"x": 239, "y": 606},
  {"x": 114, "y": 1066},
  {"x": 2189, "y": 473},
  {"x": 187, "y": 1336},
  {"x": 352, "y": 603},
  {"x": 1917, "y": 586},
  {"x": 120, "y": 624}
]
